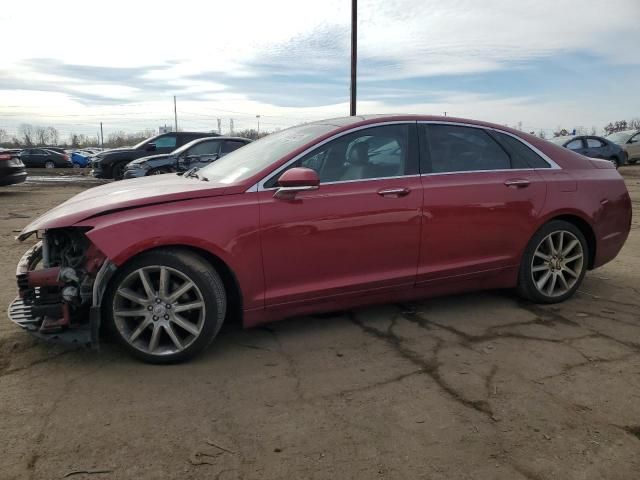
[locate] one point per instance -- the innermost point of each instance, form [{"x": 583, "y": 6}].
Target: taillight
[{"x": 5, "y": 156}]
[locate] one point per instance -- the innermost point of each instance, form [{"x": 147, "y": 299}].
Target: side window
[
  {"x": 574, "y": 144},
  {"x": 205, "y": 148},
  {"x": 168, "y": 141},
  {"x": 231, "y": 145},
  {"x": 376, "y": 152},
  {"x": 594, "y": 143},
  {"x": 464, "y": 149},
  {"x": 521, "y": 155},
  {"x": 635, "y": 138}
]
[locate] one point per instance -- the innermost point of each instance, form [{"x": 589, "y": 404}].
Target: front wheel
[
  {"x": 118, "y": 170},
  {"x": 159, "y": 171},
  {"x": 166, "y": 306},
  {"x": 554, "y": 263},
  {"x": 615, "y": 161},
  {"x": 49, "y": 164}
]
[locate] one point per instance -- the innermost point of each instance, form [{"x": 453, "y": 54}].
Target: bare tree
[
  {"x": 52, "y": 135},
  {"x": 616, "y": 126},
  {"x": 634, "y": 123},
  {"x": 26, "y": 134},
  {"x": 40, "y": 134},
  {"x": 541, "y": 134},
  {"x": 4, "y": 138}
]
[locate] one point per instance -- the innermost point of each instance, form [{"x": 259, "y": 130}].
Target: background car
[
  {"x": 80, "y": 158},
  {"x": 322, "y": 217},
  {"x": 196, "y": 153},
  {"x": 112, "y": 163},
  {"x": 593, "y": 146},
  {"x": 41, "y": 157},
  {"x": 629, "y": 140},
  {"x": 12, "y": 170}
]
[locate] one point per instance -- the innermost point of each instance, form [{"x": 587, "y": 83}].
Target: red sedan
[{"x": 320, "y": 217}]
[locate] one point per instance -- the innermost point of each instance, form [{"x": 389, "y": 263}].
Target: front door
[
  {"x": 481, "y": 201},
  {"x": 360, "y": 231}
]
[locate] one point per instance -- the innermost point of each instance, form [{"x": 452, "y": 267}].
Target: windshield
[
  {"x": 620, "y": 137},
  {"x": 139, "y": 145},
  {"x": 254, "y": 157}
]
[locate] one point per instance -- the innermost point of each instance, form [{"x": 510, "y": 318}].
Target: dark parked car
[
  {"x": 197, "y": 153},
  {"x": 12, "y": 170},
  {"x": 325, "y": 216},
  {"x": 592, "y": 146},
  {"x": 41, "y": 157},
  {"x": 112, "y": 163}
]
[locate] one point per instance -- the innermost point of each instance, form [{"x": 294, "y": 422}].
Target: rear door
[
  {"x": 595, "y": 148},
  {"x": 481, "y": 199}
]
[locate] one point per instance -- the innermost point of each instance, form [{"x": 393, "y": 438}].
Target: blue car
[{"x": 80, "y": 158}]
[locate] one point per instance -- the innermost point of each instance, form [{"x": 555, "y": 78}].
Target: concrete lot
[{"x": 478, "y": 386}]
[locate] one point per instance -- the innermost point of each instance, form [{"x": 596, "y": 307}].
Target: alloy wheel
[
  {"x": 159, "y": 310},
  {"x": 557, "y": 263}
]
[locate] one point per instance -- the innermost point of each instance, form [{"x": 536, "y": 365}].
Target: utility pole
[
  {"x": 175, "y": 112},
  {"x": 220, "y": 126},
  {"x": 445, "y": 114},
  {"x": 101, "y": 136},
  {"x": 258, "y": 117},
  {"x": 354, "y": 54},
  {"x": 231, "y": 126}
]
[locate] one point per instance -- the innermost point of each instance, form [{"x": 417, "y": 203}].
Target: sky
[{"x": 539, "y": 64}]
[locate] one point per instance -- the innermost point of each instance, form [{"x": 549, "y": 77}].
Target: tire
[
  {"x": 49, "y": 164},
  {"x": 533, "y": 268},
  {"x": 134, "y": 317},
  {"x": 117, "y": 172},
  {"x": 158, "y": 171},
  {"x": 615, "y": 161}
]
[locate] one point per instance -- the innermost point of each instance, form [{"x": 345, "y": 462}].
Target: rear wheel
[
  {"x": 554, "y": 263},
  {"x": 615, "y": 161},
  {"x": 49, "y": 164},
  {"x": 166, "y": 306}
]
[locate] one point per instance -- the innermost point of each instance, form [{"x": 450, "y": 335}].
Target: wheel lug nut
[
  {"x": 155, "y": 318},
  {"x": 149, "y": 308},
  {"x": 166, "y": 317},
  {"x": 168, "y": 305},
  {"x": 158, "y": 300}
]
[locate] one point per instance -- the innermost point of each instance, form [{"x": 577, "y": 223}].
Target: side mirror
[
  {"x": 150, "y": 147},
  {"x": 296, "y": 180}
]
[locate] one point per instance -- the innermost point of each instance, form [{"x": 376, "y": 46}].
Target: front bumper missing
[
  {"x": 41, "y": 321},
  {"x": 21, "y": 315}
]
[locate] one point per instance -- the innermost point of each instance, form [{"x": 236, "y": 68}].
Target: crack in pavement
[{"x": 430, "y": 367}]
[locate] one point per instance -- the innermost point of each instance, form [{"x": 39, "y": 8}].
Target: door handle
[
  {"x": 517, "y": 183},
  {"x": 394, "y": 192}
]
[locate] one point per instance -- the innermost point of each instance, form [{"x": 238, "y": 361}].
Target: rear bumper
[{"x": 12, "y": 177}]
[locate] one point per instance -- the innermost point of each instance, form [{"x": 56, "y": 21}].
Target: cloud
[{"x": 289, "y": 60}]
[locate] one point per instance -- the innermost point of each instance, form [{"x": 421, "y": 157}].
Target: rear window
[{"x": 521, "y": 155}]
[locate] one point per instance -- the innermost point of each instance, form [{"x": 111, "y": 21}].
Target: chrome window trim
[
  {"x": 259, "y": 187},
  {"x": 552, "y": 165}
]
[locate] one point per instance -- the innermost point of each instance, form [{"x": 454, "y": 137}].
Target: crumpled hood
[
  {"x": 126, "y": 194},
  {"x": 161, "y": 156}
]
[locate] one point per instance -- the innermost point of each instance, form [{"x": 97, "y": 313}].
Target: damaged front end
[{"x": 61, "y": 281}]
